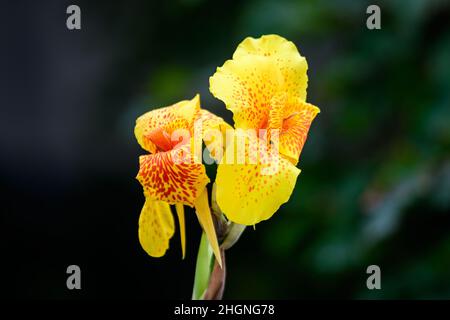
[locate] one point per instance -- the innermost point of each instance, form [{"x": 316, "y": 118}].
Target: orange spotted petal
[
  {"x": 292, "y": 117},
  {"x": 174, "y": 176},
  {"x": 154, "y": 129},
  {"x": 246, "y": 86},
  {"x": 285, "y": 55},
  {"x": 251, "y": 188}
]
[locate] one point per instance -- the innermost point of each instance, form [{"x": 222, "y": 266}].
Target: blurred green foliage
[{"x": 375, "y": 181}]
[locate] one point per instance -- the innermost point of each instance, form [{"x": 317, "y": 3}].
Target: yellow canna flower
[
  {"x": 172, "y": 174},
  {"x": 264, "y": 85}
]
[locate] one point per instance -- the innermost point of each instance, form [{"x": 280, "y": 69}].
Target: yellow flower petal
[
  {"x": 253, "y": 190},
  {"x": 205, "y": 219},
  {"x": 153, "y": 129},
  {"x": 292, "y": 117},
  {"x": 213, "y": 133},
  {"x": 180, "y": 213},
  {"x": 246, "y": 86},
  {"x": 174, "y": 176},
  {"x": 211, "y": 122},
  {"x": 156, "y": 227},
  {"x": 285, "y": 55}
]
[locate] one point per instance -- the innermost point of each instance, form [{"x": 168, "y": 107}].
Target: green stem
[{"x": 203, "y": 268}]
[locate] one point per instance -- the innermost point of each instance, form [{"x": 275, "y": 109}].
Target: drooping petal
[
  {"x": 246, "y": 86},
  {"x": 156, "y": 227},
  {"x": 174, "y": 176},
  {"x": 292, "y": 117},
  {"x": 251, "y": 189},
  {"x": 204, "y": 217},
  {"x": 154, "y": 129},
  {"x": 180, "y": 213},
  {"x": 285, "y": 55}
]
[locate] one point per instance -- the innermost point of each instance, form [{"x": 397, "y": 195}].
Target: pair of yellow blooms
[{"x": 264, "y": 85}]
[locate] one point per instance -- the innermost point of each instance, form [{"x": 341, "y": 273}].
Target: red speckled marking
[
  {"x": 292, "y": 117},
  {"x": 165, "y": 178}
]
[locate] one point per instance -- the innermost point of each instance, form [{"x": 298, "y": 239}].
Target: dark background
[{"x": 375, "y": 182}]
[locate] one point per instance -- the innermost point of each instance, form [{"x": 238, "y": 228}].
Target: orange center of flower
[
  {"x": 161, "y": 139},
  {"x": 289, "y": 122}
]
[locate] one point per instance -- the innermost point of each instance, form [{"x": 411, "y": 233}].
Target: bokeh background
[{"x": 375, "y": 182}]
